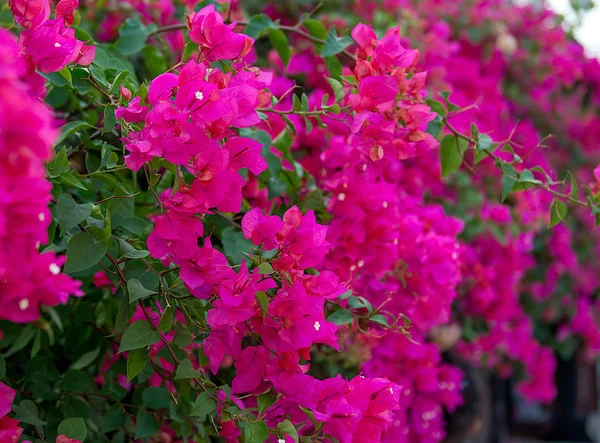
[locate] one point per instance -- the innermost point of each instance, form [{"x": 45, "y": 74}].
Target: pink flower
[
  {"x": 30, "y": 13},
  {"x": 217, "y": 40},
  {"x": 64, "y": 439}
]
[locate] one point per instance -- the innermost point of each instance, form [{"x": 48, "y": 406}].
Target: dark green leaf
[
  {"x": 71, "y": 180},
  {"x": 28, "y": 413},
  {"x": 145, "y": 425},
  {"x": 114, "y": 419},
  {"x": 69, "y": 213},
  {"x": 73, "y": 428},
  {"x": 70, "y": 129},
  {"x": 286, "y": 428},
  {"x": 340, "y": 317},
  {"x": 75, "y": 381},
  {"x": 59, "y": 165},
  {"x": 136, "y": 362},
  {"x": 137, "y": 291},
  {"x": 509, "y": 179},
  {"x": 265, "y": 401},
  {"x": 527, "y": 177},
  {"x": 256, "y": 432},
  {"x": 203, "y": 405},
  {"x": 156, "y": 398},
  {"x": 83, "y": 252},
  {"x": 140, "y": 334},
  {"x": 166, "y": 321},
  {"x": 86, "y": 359},
  {"x": 186, "y": 370},
  {"x": 316, "y": 29},
  {"x": 380, "y": 319},
  {"x": 485, "y": 142}
]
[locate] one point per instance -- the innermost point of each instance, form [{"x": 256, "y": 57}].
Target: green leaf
[
  {"x": 558, "y": 212},
  {"x": 155, "y": 60},
  {"x": 59, "y": 165},
  {"x": 107, "y": 229},
  {"x": 70, "y": 180},
  {"x": 286, "y": 427},
  {"x": 75, "y": 381},
  {"x": 73, "y": 428},
  {"x": 140, "y": 334},
  {"x": 315, "y": 28},
  {"x": 70, "y": 129},
  {"x": 340, "y": 317},
  {"x": 334, "y": 44},
  {"x": 136, "y": 253},
  {"x": 166, "y": 321},
  {"x": 156, "y": 398},
  {"x": 114, "y": 419},
  {"x": 203, "y": 405},
  {"x": 83, "y": 252},
  {"x": 381, "y": 320},
  {"x": 265, "y": 401},
  {"x": 484, "y": 143},
  {"x": 132, "y": 37},
  {"x": 509, "y": 179},
  {"x": 527, "y": 177},
  {"x": 263, "y": 302},
  {"x": 86, "y": 359},
  {"x": 265, "y": 268},
  {"x": 437, "y": 107},
  {"x": 123, "y": 316},
  {"x": 182, "y": 335},
  {"x": 337, "y": 87},
  {"x": 137, "y": 291},
  {"x": 109, "y": 121},
  {"x": 451, "y": 154},
  {"x": 574, "y": 187},
  {"x": 66, "y": 74},
  {"x": 145, "y": 424},
  {"x": 235, "y": 245},
  {"x": 28, "y": 413},
  {"x": 136, "y": 362},
  {"x": 2, "y": 367},
  {"x": 256, "y": 432},
  {"x": 258, "y": 25},
  {"x": 186, "y": 370},
  {"x": 280, "y": 42},
  {"x": 69, "y": 213}
]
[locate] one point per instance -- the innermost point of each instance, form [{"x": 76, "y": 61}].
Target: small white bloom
[
  {"x": 23, "y": 304},
  {"x": 385, "y": 205},
  {"x": 353, "y": 268},
  {"x": 41, "y": 217},
  {"x": 37, "y": 245},
  {"x": 199, "y": 95},
  {"x": 391, "y": 390},
  {"x": 361, "y": 263},
  {"x": 281, "y": 440},
  {"x": 341, "y": 196},
  {"x": 54, "y": 268},
  {"x": 317, "y": 326},
  {"x": 57, "y": 45}
]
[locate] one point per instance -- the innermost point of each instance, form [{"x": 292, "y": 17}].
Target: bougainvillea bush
[{"x": 264, "y": 221}]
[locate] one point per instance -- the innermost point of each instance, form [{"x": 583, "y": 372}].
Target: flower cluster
[
  {"x": 50, "y": 45},
  {"x": 28, "y": 279},
  {"x": 9, "y": 429}
]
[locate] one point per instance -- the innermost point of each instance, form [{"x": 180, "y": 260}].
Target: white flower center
[
  {"x": 341, "y": 196},
  {"x": 23, "y": 304},
  {"x": 391, "y": 390},
  {"x": 41, "y": 217},
  {"x": 57, "y": 45},
  {"x": 317, "y": 326},
  {"x": 281, "y": 440},
  {"x": 199, "y": 95},
  {"x": 385, "y": 205},
  {"x": 361, "y": 263},
  {"x": 54, "y": 268}
]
